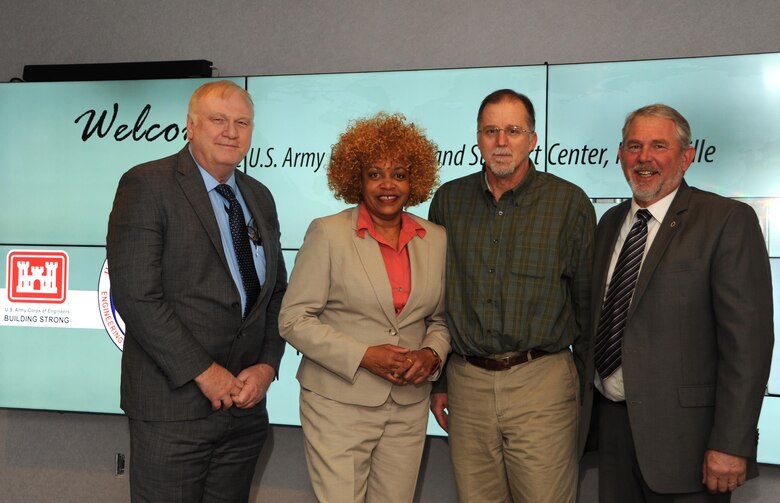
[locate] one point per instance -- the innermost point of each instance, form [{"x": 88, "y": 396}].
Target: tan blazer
[{"x": 339, "y": 303}]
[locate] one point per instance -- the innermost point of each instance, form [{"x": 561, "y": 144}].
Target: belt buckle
[{"x": 505, "y": 361}]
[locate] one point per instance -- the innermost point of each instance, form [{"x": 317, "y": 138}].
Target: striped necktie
[{"x": 612, "y": 322}]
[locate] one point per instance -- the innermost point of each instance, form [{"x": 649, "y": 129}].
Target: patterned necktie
[
  {"x": 241, "y": 247},
  {"x": 612, "y": 322}
]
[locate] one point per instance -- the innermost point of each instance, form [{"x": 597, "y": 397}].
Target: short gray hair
[
  {"x": 224, "y": 88},
  {"x": 682, "y": 127}
]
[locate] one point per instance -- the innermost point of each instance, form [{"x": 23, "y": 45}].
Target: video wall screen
[
  {"x": 293, "y": 152},
  {"x": 63, "y": 147},
  {"x": 729, "y": 101}
]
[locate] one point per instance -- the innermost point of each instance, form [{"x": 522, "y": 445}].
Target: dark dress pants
[
  {"x": 204, "y": 460},
  {"x": 620, "y": 479}
]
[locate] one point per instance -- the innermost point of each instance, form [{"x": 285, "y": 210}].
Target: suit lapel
[
  {"x": 666, "y": 232},
  {"x": 371, "y": 258},
  {"x": 191, "y": 183}
]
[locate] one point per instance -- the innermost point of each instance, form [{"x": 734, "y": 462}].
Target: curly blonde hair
[{"x": 379, "y": 138}]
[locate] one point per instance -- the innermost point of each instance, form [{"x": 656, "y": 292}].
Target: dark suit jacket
[
  {"x": 172, "y": 286},
  {"x": 698, "y": 339}
]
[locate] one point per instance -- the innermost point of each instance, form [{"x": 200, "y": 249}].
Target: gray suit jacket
[
  {"x": 340, "y": 303},
  {"x": 172, "y": 286},
  {"x": 698, "y": 339}
]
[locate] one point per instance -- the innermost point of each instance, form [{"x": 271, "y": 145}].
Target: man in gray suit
[
  {"x": 198, "y": 277},
  {"x": 682, "y": 350}
]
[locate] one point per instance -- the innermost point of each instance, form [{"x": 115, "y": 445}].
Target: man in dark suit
[
  {"x": 682, "y": 352},
  {"x": 198, "y": 277}
]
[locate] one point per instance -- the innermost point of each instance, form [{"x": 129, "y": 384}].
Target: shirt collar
[
  {"x": 210, "y": 181},
  {"x": 659, "y": 208},
  {"x": 515, "y": 191},
  {"x": 409, "y": 226}
]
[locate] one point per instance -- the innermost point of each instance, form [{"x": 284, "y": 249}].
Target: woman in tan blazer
[{"x": 365, "y": 307}]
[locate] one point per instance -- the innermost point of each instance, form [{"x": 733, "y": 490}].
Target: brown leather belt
[{"x": 505, "y": 362}]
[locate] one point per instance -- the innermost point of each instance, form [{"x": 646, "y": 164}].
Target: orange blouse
[{"x": 399, "y": 270}]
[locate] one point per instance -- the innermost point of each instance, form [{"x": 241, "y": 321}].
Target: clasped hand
[
  {"x": 399, "y": 365},
  {"x": 244, "y": 391}
]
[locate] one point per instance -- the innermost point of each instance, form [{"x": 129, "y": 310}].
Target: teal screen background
[{"x": 57, "y": 181}]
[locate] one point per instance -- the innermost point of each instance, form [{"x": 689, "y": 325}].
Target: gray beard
[
  {"x": 645, "y": 195},
  {"x": 653, "y": 193},
  {"x": 502, "y": 173}
]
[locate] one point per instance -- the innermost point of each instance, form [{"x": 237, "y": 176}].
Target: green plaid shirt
[{"x": 518, "y": 269}]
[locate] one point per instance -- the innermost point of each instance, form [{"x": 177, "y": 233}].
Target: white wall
[{"x": 261, "y": 37}]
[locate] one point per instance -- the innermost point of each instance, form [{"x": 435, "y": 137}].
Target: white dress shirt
[{"x": 612, "y": 386}]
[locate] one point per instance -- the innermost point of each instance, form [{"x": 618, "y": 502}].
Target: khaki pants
[
  {"x": 356, "y": 453},
  {"x": 513, "y": 433}
]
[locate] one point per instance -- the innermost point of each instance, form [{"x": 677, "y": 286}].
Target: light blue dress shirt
[{"x": 218, "y": 203}]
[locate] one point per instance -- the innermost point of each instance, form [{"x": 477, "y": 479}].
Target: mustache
[
  {"x": 500, "y": 151},
  {"x": 645, "y": 167}
]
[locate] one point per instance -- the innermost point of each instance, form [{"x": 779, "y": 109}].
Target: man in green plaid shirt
[{"x": 519, "y": 259}]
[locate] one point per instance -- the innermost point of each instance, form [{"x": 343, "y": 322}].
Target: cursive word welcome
[{"x": 98, "y": 125}]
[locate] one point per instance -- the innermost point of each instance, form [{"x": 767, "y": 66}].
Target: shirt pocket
[{"x": 529, "y": 269}]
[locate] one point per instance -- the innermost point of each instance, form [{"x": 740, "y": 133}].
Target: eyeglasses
[{"x": 511, "y": 131}]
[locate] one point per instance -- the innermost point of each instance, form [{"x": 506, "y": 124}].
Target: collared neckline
[
  {"x": 211, "y": 182},
  {"x": 409, "y": 227},
  {"x": 658, "y": 209},
  {"x": 516, "y": 191}
]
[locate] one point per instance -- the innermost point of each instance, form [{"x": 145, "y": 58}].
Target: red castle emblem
[{"x": 37, "y": 276}]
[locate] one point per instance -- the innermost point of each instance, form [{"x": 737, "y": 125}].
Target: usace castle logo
[{"x": 37, "y": 276}]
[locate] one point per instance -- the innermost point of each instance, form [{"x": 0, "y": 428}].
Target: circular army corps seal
[{"x": 113, "y": 323}]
